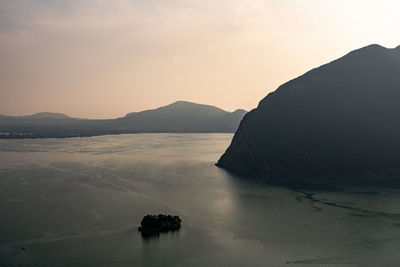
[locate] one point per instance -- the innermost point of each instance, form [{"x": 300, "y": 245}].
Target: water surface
[{"x": 78, "y": 202}]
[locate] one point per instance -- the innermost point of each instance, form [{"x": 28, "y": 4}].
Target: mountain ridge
[
  {"x": 177, "y": 105},
  {"x": 40, "y": 115}
]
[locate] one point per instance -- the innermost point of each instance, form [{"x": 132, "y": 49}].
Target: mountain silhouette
[
  {"x": 178, "y": 117},
  {"x": 340, "y": 118},
  {"x": 183, "y": 116}
]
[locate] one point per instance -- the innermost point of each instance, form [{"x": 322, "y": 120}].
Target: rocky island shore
[{"x": 155, "y": 224}]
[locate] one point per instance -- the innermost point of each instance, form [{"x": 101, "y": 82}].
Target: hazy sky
[{"x": 104, "y": 58}]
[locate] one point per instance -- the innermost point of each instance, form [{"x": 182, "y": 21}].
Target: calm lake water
[{"x": 79, "y": 201}]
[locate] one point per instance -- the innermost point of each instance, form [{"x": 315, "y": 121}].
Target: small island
[{"x": 155, "y": 224}]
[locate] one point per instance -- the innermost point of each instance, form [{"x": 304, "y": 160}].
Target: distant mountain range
[
  {"x": 178, "y": 117},
  {"x": 340, "y": 118}
]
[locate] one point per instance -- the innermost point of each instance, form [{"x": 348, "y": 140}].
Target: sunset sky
[{"x": 103, "y": 59}]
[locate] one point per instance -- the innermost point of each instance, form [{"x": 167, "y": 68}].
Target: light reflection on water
[{"x": 78, "y": 201}]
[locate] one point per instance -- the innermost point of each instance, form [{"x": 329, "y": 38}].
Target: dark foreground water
[{"x": 78, "y": 202}]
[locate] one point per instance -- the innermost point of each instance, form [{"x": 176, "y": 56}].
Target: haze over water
[{"x": 78, "y": 202}]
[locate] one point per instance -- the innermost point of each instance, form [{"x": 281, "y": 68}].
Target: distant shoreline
[{"x": 105, "y": 134}]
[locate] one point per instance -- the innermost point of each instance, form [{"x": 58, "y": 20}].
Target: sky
[{"x": 103, "y": 59}]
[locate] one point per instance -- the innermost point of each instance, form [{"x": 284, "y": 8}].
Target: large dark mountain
[
  {"x": 178, "y": 117},
  {"x": 340, "y": 118}
]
